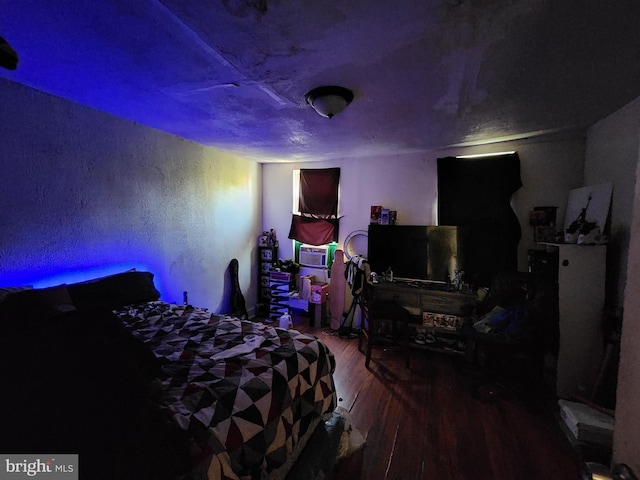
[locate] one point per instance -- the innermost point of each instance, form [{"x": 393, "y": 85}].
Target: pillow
[
  {"x": 6, "y": 291},
  {"x": 97, "y": 279},
  {"x": 38, "y": 304},
  {"x": 114, "y": 291}
]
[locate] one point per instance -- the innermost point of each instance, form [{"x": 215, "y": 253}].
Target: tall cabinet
[{"x": 581, "y": 286}]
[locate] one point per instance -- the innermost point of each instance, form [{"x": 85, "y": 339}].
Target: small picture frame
[
  {"x": 374, "y": 217},
  {"x": 384, "y": 216},
  {"x": 427, "y": 319},
  {"x": 451, "y": 322},
  {"x": 537, "y": 217},
  {"x": 544, "y": 233},
  {"x": 439, "y": 320},
  {"x": 542, "y": 216}
]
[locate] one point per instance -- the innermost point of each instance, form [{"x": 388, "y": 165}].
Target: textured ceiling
[{"x": 426, "y": 74}]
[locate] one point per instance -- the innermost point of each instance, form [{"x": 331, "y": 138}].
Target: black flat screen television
[{"x": 416, "y": 252}]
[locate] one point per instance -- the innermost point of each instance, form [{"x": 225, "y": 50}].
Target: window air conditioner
[{"x": 312, "y": 256}]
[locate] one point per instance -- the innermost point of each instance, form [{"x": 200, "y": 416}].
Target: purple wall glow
[{"x": 87, "y": 194}]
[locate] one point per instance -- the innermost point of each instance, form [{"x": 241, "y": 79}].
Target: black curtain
[
  {"x": 475, "y": 194},
  {"x": 317, "y": 223}
]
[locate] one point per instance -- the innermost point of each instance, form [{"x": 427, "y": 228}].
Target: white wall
[
  {"x": 85, "y": 193},
  {"x": 613, "y": 154},
  {"x": 626, "y": 438},
  {"x": 550, "y": 167}
]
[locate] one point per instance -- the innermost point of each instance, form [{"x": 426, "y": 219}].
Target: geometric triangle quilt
[{"x": 245, "y": 392}]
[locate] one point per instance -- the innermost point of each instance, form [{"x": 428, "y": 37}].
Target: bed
[{"x": 162, "y": 390}]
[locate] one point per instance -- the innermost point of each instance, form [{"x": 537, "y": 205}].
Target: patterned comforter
[{"x": 245, "y": 392}]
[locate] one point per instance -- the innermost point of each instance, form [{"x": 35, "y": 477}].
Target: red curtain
[
  {"x": 314, "y": 231},
  {"x": 317, "y": 223},
  {"x": 319, "y": 192}
]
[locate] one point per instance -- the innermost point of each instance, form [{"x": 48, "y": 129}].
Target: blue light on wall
[{"x": 43, "y": 277}]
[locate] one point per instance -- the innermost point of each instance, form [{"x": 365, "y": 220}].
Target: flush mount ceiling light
[
  {"x": 8, "y": 56},
  {"x": 330, "y": 100}
]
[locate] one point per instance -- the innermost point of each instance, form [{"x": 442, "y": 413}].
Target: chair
[
  {"x": 383, "y": 325},
  {"x": 511, "y": 351}
]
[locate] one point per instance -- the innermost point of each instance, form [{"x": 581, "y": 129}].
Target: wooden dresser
[
  {"x": 435, "y": 314},
  {"x": 417, "y": 298}
]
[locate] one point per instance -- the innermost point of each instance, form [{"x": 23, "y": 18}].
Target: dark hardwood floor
[{"x": 428, "y": 422}]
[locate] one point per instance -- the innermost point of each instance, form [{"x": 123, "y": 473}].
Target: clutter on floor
[{"x": 334, "y": 441}]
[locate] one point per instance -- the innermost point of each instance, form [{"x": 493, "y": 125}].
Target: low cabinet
[{"x": 436, "y": 315}]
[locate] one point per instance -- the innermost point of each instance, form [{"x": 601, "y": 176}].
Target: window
[
  {"x": 475, "y": 193},
  {"x": 315, "y": 217}
]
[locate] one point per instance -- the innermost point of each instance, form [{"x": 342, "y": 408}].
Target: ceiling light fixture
[
  {"x": 8, "y": 56},
  {"x": 330, "y": 100}
]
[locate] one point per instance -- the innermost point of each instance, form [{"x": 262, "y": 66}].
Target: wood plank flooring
[{"x": 425, "y": 422}]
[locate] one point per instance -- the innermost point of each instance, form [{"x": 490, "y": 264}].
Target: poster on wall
[{"x": 594, "y": 200}]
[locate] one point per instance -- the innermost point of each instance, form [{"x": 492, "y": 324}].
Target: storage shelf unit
[
  {"x": 267, "y": 256},
  {"x": 281, "y": 285}
]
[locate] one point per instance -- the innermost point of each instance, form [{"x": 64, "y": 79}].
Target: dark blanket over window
[{"x": 476, "y": 194}]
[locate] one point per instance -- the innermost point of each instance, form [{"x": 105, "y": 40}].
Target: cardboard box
[{"x": 319, "y": 293}]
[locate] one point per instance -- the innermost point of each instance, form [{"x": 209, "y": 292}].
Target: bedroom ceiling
[{"x": 426, "y": 74}]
